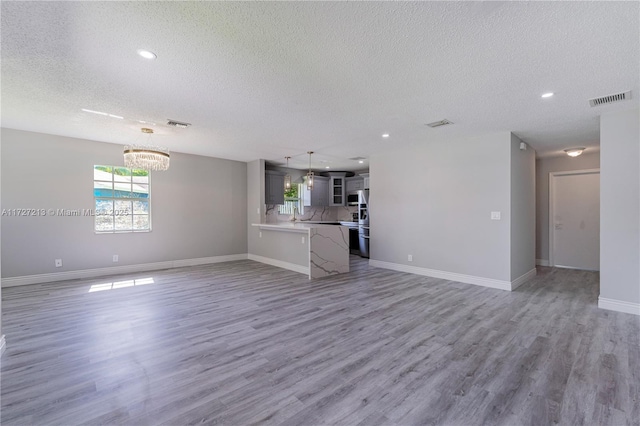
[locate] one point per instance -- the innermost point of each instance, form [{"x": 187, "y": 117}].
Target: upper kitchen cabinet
[
  {"x": 365, "y": 177},
  {"x": 354, "y": 184},
  {"x": 337, "y": 188},
  {"x": 319, "y": 195},
  {"x": 273, "y": 187}
]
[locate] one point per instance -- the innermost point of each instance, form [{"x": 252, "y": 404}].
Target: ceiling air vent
[
  {"x": 174, "y": 123},
  {"x": 439, "y": 123},
  {"x": 610, "y": 99}
]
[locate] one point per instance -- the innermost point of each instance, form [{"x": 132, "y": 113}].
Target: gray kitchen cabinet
[
  {"x": 319, "y": 195},
  {"x": 365, "y": 176},
  {"x": 354, "y": 184},
  {"x": 273, "y": 187},
  {"x": 337, "y": 188}
]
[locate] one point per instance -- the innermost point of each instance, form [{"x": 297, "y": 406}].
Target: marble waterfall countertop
[
  {"x": 301, "y": 225},
  {"x": 328, "y": 245}
]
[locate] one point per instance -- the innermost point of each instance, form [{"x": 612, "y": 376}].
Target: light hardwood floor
[{"x": 244, "y": 343}]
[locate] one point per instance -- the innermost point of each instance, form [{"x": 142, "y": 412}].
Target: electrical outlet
[
  {"x": 260, "y": 234},
  {"x": 58, "y": 263},
  {"x": 410, "y": 258},
  {"x": 115, "y": 257},
  {"x": 302, "y": 240},
  {"x": 258, "y": 210},
  {"x": 495, "y": 215}
]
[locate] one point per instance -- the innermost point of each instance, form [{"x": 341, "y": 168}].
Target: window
[
  {"x": 122, "y": 202},
  {"x": 292, "y": 200}
]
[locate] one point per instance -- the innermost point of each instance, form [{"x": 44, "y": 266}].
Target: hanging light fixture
[
  {"x": 146, "y": 157},
  {"x": 287, "y": 178},
  {"x": 310, "y": 173}
]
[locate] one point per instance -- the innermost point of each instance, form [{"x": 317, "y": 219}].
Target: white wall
[
  {"x": 434, "y": 202},
  {"x": 544, "y": 166},
  {"x": 198, "y": 207},
  {"x": 523, "y": 209},
  {"x": 620, "y": 210}
]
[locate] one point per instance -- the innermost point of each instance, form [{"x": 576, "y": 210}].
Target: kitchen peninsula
[{"x": 317, "y": 249}]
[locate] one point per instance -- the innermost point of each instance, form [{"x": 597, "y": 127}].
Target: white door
[{"x": 575, "y": 219}]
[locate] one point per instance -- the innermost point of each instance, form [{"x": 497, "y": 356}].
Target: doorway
[{"x": 574, "y": 219}]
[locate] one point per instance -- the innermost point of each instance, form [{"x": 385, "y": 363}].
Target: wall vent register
[{"x": 609, "y": 99}]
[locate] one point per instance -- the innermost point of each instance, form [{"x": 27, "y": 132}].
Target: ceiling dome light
[
  {"x": 574, "y": 152},
  {"x": 147, "y": 54},
  {"x": 547, "y": 95},
  {"x": 385, "y": 135}
]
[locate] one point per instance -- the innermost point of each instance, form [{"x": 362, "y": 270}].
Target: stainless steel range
[{"x": 363, "y": 222}]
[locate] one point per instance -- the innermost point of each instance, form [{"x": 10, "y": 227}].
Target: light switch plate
[{"x": 495, "y": 215}]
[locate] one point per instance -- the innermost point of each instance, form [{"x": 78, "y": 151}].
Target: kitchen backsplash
[{"x": 313, "y": 213}]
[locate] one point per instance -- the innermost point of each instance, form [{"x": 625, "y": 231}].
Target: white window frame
[
  {"x": 287, "y": 209},
  {"x": 113, "y": 198}
]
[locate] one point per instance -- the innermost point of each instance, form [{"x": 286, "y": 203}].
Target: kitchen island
[{"x": 324, "y": 248}]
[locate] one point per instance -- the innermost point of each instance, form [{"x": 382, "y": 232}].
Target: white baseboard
[
  {"x": 468, "y": 279},
  {"x": 542, "y": 262},
  {"x": 523, "y": 279},
  {"x": 619, "y": 306},
  {"x": 114, "y": 270},
  {"x": 3, "y": 344},
  {"x": 279, "y": 263}
]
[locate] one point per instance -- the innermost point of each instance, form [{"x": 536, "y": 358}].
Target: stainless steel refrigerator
[{"x": 363, "y": 222}]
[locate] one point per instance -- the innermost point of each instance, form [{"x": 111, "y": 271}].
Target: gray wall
[
  {"x": 281, "y": 246},
  {"x": 523, "y": 209},
  {"x": 544, "y": 166},
  {"x": 620, "y": 206},
  {"x": 1, "y": 334},
  {"x": 198, "y": 207},
  {"x": 255, "y": 202},
  {"x": 435, "y": 201}
]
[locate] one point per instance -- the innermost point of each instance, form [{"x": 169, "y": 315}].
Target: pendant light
[
  {"x": 287, "y": 178},
  {"x": 146, "y": 157},
  {"x": 310, "y": 173}
]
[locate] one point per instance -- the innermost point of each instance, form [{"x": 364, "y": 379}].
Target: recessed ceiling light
[
  {"x": 327, "y": 167},
  {"x": 146, "y": 54},
  {"x": 385, "y": 135},
  {"x": 547, "y": 95},
  {"x": 361, "y": 161}
]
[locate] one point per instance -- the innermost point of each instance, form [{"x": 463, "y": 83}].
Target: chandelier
[{"x": 146, "y": 157}]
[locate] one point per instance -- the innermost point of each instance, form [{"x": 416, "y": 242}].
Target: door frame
[{"x": 552, "y": 207}]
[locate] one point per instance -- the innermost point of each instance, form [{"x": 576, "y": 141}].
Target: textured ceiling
[{"x": 275, "y": 79}]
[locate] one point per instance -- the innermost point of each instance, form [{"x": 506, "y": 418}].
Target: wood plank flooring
[{"x": 244, "y": 343}]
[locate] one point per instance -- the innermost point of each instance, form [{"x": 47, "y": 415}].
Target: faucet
[{"x": 293, "y": 218}]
